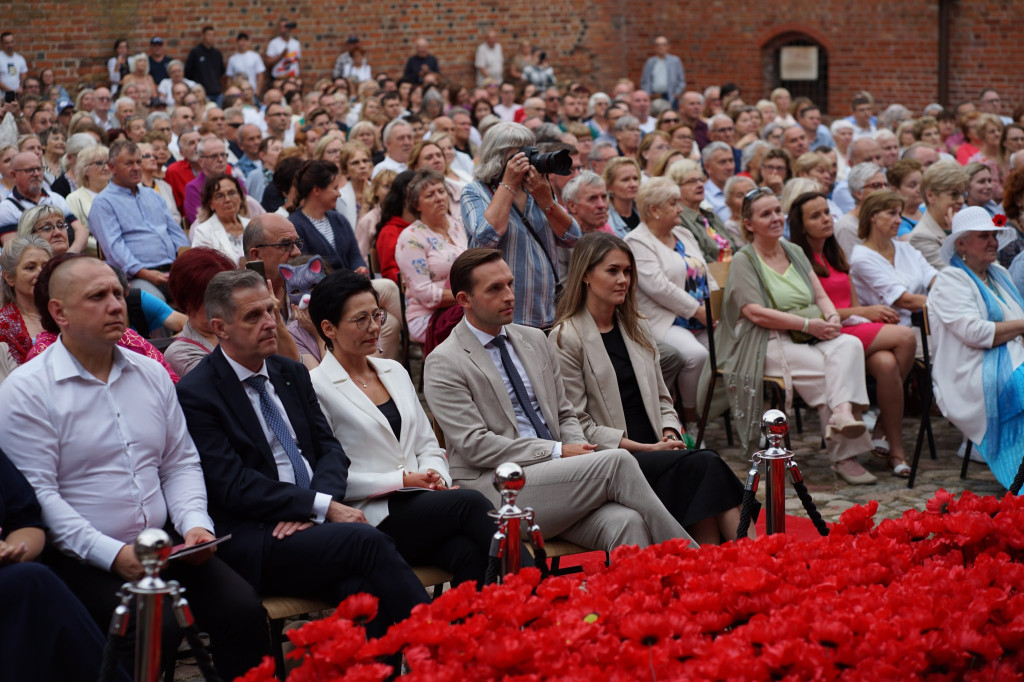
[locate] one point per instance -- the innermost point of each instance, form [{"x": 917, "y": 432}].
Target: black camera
[{"x": 558, "y": 163}]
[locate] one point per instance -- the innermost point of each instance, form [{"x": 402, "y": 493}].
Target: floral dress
[{"x": 696, "y": 286}]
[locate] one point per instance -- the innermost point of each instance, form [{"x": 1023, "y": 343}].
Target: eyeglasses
[
  {"x": 724, "y": 130},
  {"x": 693, "y": 181},
  {"x": 286, "y": 246},
  {"x": 684, "y": 137},
  {"x": 230, "y": 194},
  {"x": 773, "y": 168},
  {"x": 145, "y": 157},
  {"x": 47, "y": 228},
  {"x": 220, "y": 155},
  {"x": 31, "y": 171},
  {"x": 362, "y": 322},
  {"x": 757, "y": 192},
  {"x": 875, "y": 186},
  {"x": 670, "y": 120},
  {"x": 102, "y": 162}
]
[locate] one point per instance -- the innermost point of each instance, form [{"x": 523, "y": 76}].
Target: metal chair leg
[{"x": 967, "y": 460}]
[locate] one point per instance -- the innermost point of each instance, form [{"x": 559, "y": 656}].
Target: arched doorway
[{"x": 799, "y": 63}]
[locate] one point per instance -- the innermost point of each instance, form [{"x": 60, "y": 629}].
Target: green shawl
[
  {"x": 692, "y": 221},
  {"x": 740, "y": 344}
]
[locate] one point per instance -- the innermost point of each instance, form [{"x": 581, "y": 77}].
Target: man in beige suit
[{"x": 496, "y": 391}]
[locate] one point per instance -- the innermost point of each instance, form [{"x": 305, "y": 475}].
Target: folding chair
[{"x": 923, "y": 367}]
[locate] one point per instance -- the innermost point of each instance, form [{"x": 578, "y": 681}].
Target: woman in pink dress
[{"x": 888, "y": 347}]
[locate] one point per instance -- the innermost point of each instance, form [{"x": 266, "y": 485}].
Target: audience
[{"x": 332, "y": 164}]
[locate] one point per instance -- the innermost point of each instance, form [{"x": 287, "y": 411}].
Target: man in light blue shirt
[
  {"x": 809, "y": 119},
  {"x": 663, "y": 74},
  {"x": 133, "y": 225}
]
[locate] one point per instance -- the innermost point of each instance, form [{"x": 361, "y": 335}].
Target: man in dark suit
[{"x": 276, "y": 475}]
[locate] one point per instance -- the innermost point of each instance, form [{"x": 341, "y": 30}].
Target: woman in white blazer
[
  {"x": 611, "y": 374},
  {"x": 672, "y": 281},
  {"x": 222, "y": 201},
  {"x": 398, "y": 474}
]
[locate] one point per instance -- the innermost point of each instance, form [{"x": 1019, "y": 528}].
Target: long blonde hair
[{"x": 588, "y": 253}]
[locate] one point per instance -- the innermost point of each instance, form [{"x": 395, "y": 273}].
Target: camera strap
[{"x": 536, "y": 238}]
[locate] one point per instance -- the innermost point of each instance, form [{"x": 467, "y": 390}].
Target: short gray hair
[
  {"x": 390, "y": 127},
  {"x": 718, "y": 117},
  {"x": 123, "y": 100},
  {"x": 709, "y": 150},
  {"x": 547, "y": 132},
  {"x": 859, "y": 175},
  {"x": 594, "y": 99},
  {"x": 624, "y": 122},
  {"x": 654, "y": 192},
  {"x": 252, "y": 235},
  {"x": 840, "y": 124},
  {"x": 500, "y": 139},
  {"x": 750, "y": 151},
  {"x": 220, "y": 293},
  {"x": 731, "y": 183},
  {"x": 893, "y": 115},
  {"x": 595, "y": 151},
  {"x": 883, "y": 134},
  {"x": 584, "y": 179},
  {"x": 205, "y": 141},
  {"x": 771, "y": 128},
  {"x": 75, "y": 144},
  {"x": 156, "y": 116},
  {"x": 175, "y": 62},
  {"x": 11, "y": 256}
]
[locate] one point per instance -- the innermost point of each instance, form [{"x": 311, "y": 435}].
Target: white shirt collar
[
  {"x": 483, "y": 337},
  {"x": 244, "y": 373},
  {"x": 66, "y": 366}
]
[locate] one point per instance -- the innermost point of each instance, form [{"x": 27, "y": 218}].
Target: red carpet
[{"x": 799, "y": 527}]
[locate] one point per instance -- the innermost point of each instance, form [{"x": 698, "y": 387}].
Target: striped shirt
[{"x": 534, "y": 277}]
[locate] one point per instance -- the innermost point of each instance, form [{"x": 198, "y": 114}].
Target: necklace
[{"x": 362, "y": 381}]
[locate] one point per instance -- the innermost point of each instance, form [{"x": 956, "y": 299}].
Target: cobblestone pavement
[{"x": 833, "y": 497}]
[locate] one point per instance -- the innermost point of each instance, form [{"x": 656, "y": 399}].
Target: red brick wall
[{"x": 888, "y": 48}]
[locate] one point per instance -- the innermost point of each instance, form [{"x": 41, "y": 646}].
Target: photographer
[{"x": 510, "y": 206}]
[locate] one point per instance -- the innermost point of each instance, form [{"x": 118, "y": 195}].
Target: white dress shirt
[
  {"x": 285, "y": 472},
  {"x": 526, "y": 429},
  {"x": 106, "y": 460}
]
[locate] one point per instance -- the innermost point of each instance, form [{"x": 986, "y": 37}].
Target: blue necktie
[
  {"x": 519, "y": 388},
  {"x": 276, "y": 423}
]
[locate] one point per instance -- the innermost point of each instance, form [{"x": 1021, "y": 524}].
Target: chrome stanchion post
[
  {"x": 152, "y": 548},
  {"x": 509, "y": 479},
  {"x": 775, "y": 426}
]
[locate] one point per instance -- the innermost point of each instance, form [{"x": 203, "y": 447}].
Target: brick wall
[{"x": 888, "y": 48}]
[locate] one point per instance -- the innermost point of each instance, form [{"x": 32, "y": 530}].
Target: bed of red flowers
[{"x": 935, "y": 595}]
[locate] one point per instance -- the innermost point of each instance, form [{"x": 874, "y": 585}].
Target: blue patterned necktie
[
  {"x": 519, "y": 388},
  {"x": 276, "y": 423}
]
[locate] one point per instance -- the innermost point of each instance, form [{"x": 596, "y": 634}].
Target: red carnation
[{"x": 999, "y": 220}]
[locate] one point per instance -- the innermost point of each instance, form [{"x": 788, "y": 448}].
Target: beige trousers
[{"x": 825, "y": 374}]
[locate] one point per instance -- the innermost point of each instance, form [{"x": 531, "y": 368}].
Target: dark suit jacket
[
  {"x": 344, "y": 255},
  {"x": 245, "y": 496}
]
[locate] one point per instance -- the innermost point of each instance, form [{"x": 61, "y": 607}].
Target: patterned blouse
[
  {"x": 424, "y": 259},
  {"x": 696, "y": 286},
  {"x": 14, "y": 332}
]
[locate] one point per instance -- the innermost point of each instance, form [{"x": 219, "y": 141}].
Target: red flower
[
  {"x": 943, "y": 502},
  {"x": 999, "y": 220},
  {"x": 359, "y": 608}
]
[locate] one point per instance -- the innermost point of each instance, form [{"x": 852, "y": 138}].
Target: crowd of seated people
[{"x": 275, "y": 248}]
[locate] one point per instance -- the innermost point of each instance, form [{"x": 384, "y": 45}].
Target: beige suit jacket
[
  {"x": 469, "y": 400},
  {"x": 927, "y": 237},
  {"x": 592, "y": 387}
]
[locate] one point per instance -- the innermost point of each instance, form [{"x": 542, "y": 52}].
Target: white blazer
[
  {"x": 211, "y": 233},
  {"x": 378, "y": 459},
  {"x": 661, "y": 277}
]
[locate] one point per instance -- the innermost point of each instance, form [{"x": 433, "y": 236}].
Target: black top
[
  {"x": 205, "y": 65},
  {"x": 18, "y": 505},
  {"x": 394, "y": 417},
  {"x": 638, "y": 426}
]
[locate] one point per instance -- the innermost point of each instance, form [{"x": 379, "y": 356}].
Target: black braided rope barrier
[
  {"x": 810, "y": 508},
  {"x": 748, "y": 505},
  {"x": 1018, "y": 480}
]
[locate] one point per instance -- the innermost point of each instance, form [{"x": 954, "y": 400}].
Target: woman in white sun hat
[{"x": 977, "y": 323}]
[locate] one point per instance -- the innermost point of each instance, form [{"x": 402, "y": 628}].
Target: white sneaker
[
  {"x": 975, "y": 455},
  {"x": 870, "y": 418}
]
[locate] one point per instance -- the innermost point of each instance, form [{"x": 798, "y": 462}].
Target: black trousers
[
  {"x": 332, "y": 561},
  {"x": 224, "y": 605},
  {"x": 46, "y": 635},
  {"x": 449, "y": 529}
]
